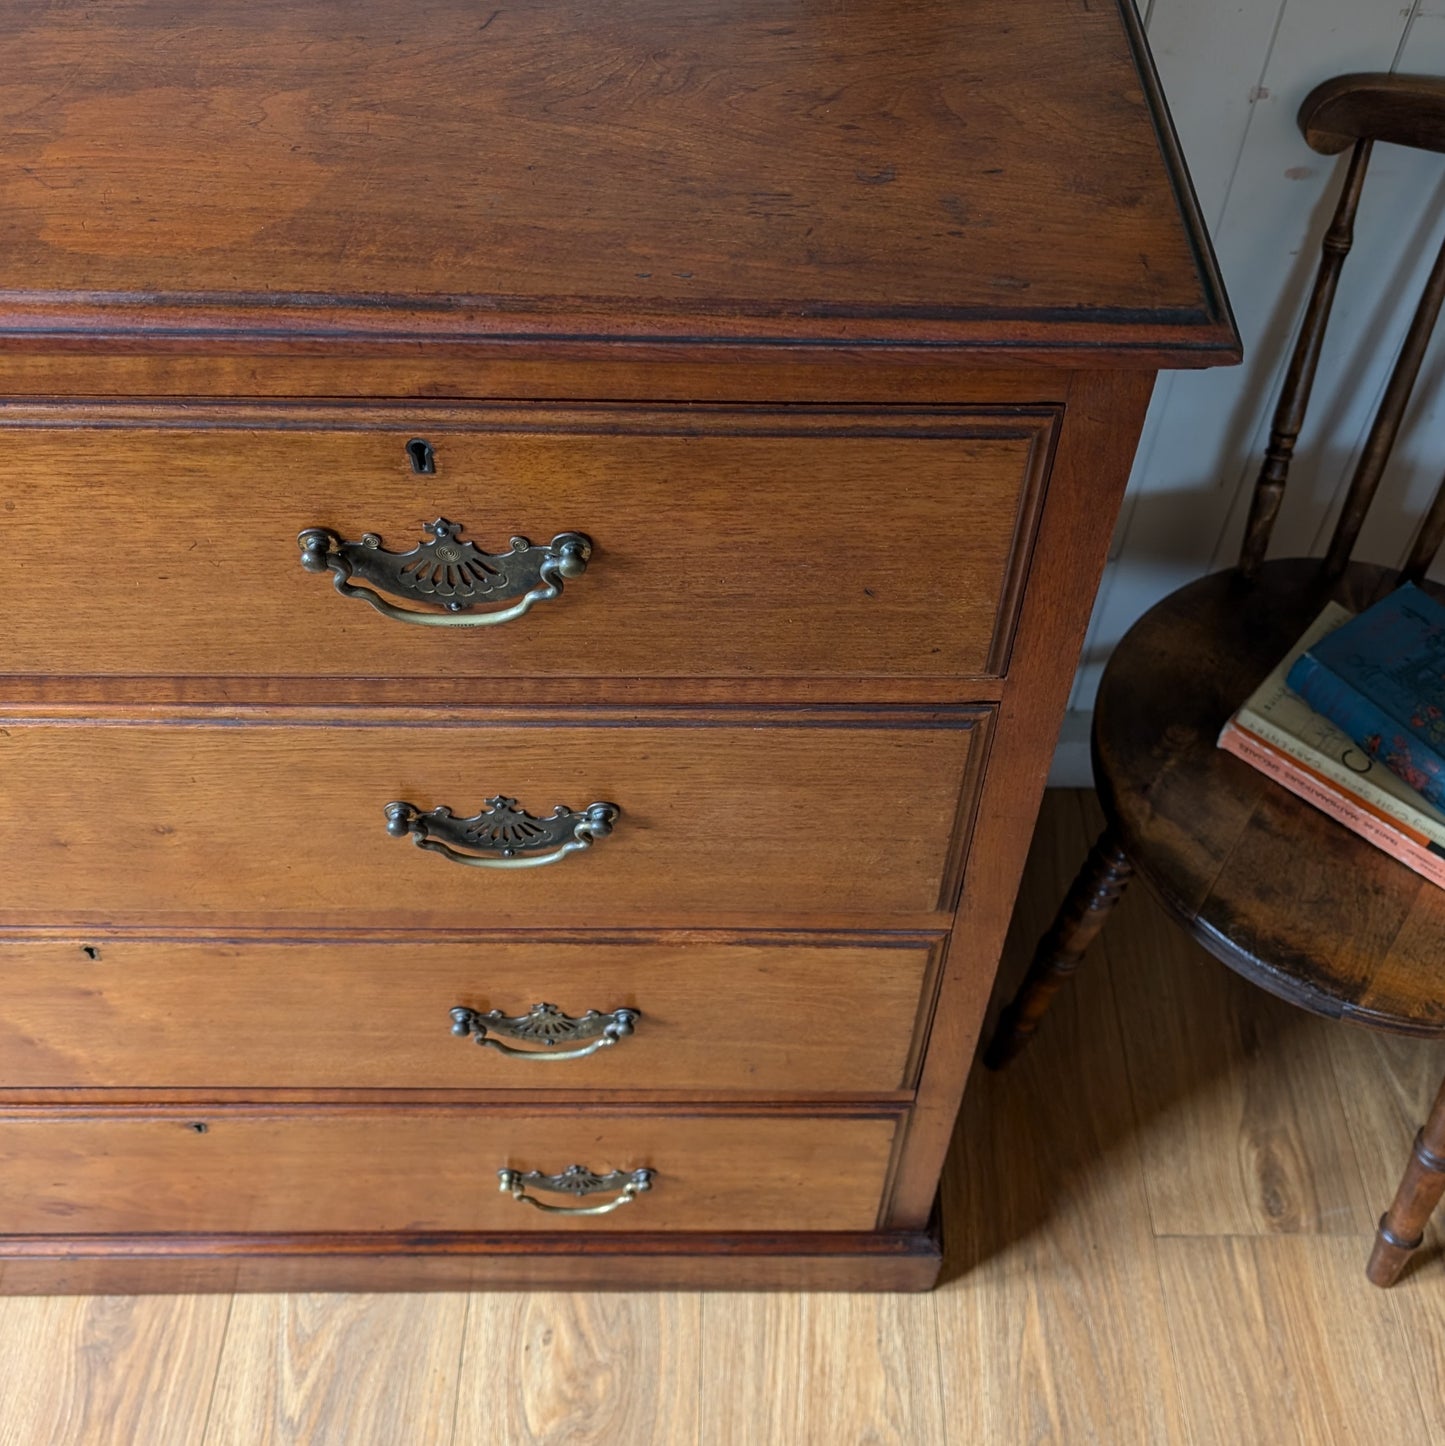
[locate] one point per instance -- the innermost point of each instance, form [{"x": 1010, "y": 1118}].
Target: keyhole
[
  {"x": 423, "y": 456},
  {"x": 90, "y": 951}
]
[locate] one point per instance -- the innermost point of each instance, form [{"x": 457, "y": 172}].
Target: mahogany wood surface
[
  {"x": 839, "y": 327},
  {"x": 801, "y": 1019},
  {"x": 1105, "y": 414},
  {"x": 805, "y": 537},
  {"x": 950, "y": 172},
  {"x": 281, "y": 826},
  {"x": 1280, "y": 892},
  {"x": 417, "y": 1170},
  {"x": 874, "y": 1260},
  {"x": 513, "y": 371}
]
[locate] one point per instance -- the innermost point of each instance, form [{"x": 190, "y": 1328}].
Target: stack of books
[{"x": 1353, "y": 721}]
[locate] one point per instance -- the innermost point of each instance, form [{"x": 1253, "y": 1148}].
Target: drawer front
[
  {"x": 837, "y": 1018},
  {"x": 725, "y": 542},
  {"x": 258, "y": 825},
  {"x": 431, "y": 1170}
]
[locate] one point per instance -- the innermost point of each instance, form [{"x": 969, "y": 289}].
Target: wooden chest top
[{"x": 970, "y": 173}]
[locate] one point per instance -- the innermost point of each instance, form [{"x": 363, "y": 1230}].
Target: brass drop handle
[
  {"x": 576, "y": 1180},
  {"x": 455, "y": 576},
  {"x": 545, "y": 1025},
  {"x": 502, "y": 836}
]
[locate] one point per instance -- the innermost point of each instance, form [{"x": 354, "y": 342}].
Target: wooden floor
[{"x": 1158, "y": 1222}]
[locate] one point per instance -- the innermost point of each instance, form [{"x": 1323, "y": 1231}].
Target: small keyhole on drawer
[
  {"x": 423, "y": 456},
  {"x": 90, "y": 951},
  {"x": 200, "y": 1127}
]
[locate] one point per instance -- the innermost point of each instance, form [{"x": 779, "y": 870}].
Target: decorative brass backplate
[
  {"x": 448, "y": 573},
  {"x": 502, "y": 836},
  {"x": 545, "y": 1025},
  {"x": 578, "y": 1181}
]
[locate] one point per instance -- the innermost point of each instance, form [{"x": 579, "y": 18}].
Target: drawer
[
  {"x": 726, "y": 542},
  {"x": 414, "y": 1169},
  {"x": 828, "y": 1018},
  {"x": 249, "y": 824}
]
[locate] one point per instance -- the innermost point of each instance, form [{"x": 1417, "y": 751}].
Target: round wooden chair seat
[{"x": 1281, "y": 893}]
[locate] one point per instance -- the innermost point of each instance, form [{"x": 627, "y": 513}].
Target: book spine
[
  {"x": 1290, "y": 774},
  {"x": 1334, "y": 774},
  {"x": 1400, "y": 750}
]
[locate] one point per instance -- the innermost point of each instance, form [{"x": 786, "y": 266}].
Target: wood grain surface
[
  {"x": 726, "y": 543},
  {"x": 1237, "y": 1070},
  {"x": 1105, "y": 413},
  {"x": 112, "y": 1370},
  {"x": 949, "y": 173},
  {"x": 869, "y": 1261},
  {"x": 1288, "y": 897},
  {"x": 719, "y": 822},
  {"x": 502, "y": 370},
  {"x": 586, "y": 1369},
  {"x": 405, "y": 1169},
  {"x": 583, "y": 195},
  {"x": 277, "y": 1379},
  {"x": 886, "y": 1385},
  {"x": 1307, "y": 1343},
  {"x": 1065, "y": 1315},
  {"x": 761, "y": 1019}
]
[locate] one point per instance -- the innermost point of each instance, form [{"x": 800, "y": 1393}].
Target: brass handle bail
[
  {"x": 547, "y": 1026},
  {"x": 446, "y": 573},
  {"x": 502, "y": 836},
  {"x": 576, "y": 1180}
]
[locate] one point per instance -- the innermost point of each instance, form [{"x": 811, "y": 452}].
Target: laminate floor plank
[
  {"x": 1242, "y": 1129},
  {"x": 1387, "y": 1084},
  {"x": 1418, "y": 1301},
  {"x": 1282, "y": 1340},
  {"x": 1053, "y": 1329},
  {"x": 339, "y": 1370},
  {"x": 822, "y": 1368},
  {"x": 108, "y": 1370},
  {"x": 581, "y": 1368}
]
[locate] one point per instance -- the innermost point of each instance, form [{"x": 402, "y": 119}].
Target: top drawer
[{"x": 725, "y": 542}]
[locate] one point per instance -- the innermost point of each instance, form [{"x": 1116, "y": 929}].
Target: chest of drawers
[{"x": 546, "y": 551}]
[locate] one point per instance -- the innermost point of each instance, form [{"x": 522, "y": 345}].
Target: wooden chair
[{"x": 1279, "y": 892}]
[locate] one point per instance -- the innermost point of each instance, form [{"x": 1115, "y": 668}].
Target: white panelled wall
[{"x": 1235, "y": 72}]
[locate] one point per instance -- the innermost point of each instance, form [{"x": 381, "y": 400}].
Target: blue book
[{"x": 1381, "y": 679}]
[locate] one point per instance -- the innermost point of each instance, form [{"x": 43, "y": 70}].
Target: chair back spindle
[
  {"x": 1355, "y": 111},
  {"x": 1299, "y": 381},
  {"x": 1386, "y": 426}
]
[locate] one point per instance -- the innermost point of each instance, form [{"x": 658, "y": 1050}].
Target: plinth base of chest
[{"x": 188, "y": 1264}]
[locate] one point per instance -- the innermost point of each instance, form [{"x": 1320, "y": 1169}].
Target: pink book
[{"x": 1325, "y": 795}]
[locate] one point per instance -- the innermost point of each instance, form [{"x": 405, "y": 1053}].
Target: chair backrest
[{"x": 1356, "y": 110}]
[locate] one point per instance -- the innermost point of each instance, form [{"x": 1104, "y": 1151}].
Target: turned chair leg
[
  {"x": 1099, "y": 886},
  {"x": 1402, "y": 1227}
]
